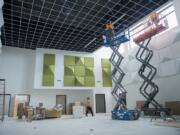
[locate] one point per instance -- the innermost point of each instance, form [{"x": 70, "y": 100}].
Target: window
[{"x": 167, "y": 11}]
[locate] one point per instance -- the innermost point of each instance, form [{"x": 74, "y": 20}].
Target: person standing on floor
[{"x": 88, "y": 106}]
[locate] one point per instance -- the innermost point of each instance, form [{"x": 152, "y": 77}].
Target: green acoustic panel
[
  {"x": 69, "y": 70},
  {"x": 79, "y": 61},
  {"x": 89, "y": 81},
  {"x": 106, "y": 72},
  {"x": 69, "y": 60},
  {"x": 79, "y": 81},
  {"x": 107, "y": 82},
  {"x": 48, "y": 70},
  {"x": 89, "y": 71},
  {"x": 69, "y": 80},
  {"x": 89, "y": 62},
  {"x": 48, "y": 80},
  {"x": 105, "y": 63},
  {"x": 79, "y": 71}
]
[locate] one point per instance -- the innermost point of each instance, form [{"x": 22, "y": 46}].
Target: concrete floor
[{"x": 98, "y": 125}]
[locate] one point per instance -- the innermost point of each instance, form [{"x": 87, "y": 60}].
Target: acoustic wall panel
[
  {"x": 175, "y": 48},
  {"x": 89, "y": 71},
  {"x": 105, "y": 63},
  {"x": 89, "y": 62},
  {"x": 69, "y": 70},
  {"x": 69, "y": 81},
  {"x": 79, "y": 61},
  {"x": 79, "y": 72},
  {"x": 106, "y": 73},
  {"x": 48, "y": 70},
  {"x": 79, "y": 81},
  {"x": 107, "y": 82},
  {"x": 69, "y": 60},
  {"x": 168, "y": 68},
  {"x": 89, "y": 81}
]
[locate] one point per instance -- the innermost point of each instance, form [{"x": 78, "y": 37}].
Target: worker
[{"x": 88, "y": 106}]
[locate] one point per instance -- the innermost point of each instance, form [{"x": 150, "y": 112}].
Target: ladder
[{"x": 2, "y": 99}]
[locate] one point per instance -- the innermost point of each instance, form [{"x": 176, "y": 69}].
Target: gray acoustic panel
[
  {"x": 175, "y": 48},
  {"x": 133, "y": 65},
  {"x": 135, "y": 77},
  {"x": 177, "y": 39},
  {"x": 158, "y": 75},
  {"x": 156, "y": 58},
  {"x": 163, "y": 40},
  {"x": 125, "y": 69},
  {"x": 130, "y": 57},
  {"x": 165, "y": 59},
  {"x": 168, "y": 68},
  {"x": 165, "y": 54},
  {"x": 127, "y": 79},
  {"x": 178, "y": 65}
]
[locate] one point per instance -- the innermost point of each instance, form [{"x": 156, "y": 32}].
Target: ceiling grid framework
[{"x": 68, "y": 24}]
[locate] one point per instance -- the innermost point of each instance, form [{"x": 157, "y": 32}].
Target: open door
[
  {"x": 61, "y": 99},
  {"x": 100, "y": 103}
]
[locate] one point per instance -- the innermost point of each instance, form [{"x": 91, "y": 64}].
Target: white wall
[
  {"x": 22, "y": 68},
  {"x": 177, "y": 9},
  {"x": 59, "y": 72},
  {"x": 59, "y": 68},
  {"x": 17, "y": 66},
  {"x": 166, "y": 59}
]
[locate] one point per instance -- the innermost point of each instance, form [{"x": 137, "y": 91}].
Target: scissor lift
[
  {"x": 147, "y": 71},
  {"x": 114, "y": 41},
  {"x": 2, "y": 99}
]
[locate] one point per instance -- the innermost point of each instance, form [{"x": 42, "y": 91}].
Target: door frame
[
  {"x": 65, "y": 102},
  {"x": 14, "y": 97},
  {"x": 28, "y": 95},
  {"x": 9, "y": 106},
  {"x": 104, "y": 102}
]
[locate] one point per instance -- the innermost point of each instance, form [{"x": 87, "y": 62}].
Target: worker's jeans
[{"x": 89, "y": 109}]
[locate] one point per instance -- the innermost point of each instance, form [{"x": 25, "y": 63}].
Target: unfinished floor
[{"x": 97, "y": 125}]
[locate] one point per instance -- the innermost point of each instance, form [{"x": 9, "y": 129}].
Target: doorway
[
  {"x": 7, "y": 104},
  {"x": 100, "y": 103},
  {"x": 61, "y": 99},
  {"x": 20, "y": 98}
]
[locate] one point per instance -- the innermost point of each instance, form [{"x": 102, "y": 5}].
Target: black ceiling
[{"x": 67, "y": 24}]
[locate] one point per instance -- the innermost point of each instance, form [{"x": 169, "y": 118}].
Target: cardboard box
[
  {"x": 174, "y": 106},
  {"x": 140, "y": 104}
]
